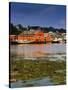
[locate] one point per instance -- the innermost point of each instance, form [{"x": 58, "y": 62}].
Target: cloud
[{"x": 49, "y": 10}]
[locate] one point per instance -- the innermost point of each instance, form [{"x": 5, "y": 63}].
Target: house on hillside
[{"x": 48, "y": 37}]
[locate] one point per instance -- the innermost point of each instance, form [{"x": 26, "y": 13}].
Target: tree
[{"x": 13, "y": 29}]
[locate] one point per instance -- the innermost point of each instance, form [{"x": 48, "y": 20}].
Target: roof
[
  {"x": 32, "y": 32},
  {"x": 26, "y": 33}
]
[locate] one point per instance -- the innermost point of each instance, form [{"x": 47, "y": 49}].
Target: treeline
[{"x": 17, "y": 29}]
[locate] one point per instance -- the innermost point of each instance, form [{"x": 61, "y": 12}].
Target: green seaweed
[{"x": 32, "y": 69}]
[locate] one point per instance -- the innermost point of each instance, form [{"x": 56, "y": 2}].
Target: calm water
[
  {"x": 37, "y": 51},
  {"x": 36, "y": 82},
  {"x": 34, "y": 51}
]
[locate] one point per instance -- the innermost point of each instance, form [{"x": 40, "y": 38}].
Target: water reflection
[{"x": 38, "y": 50}]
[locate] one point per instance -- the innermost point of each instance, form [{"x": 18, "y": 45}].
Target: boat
[{"x": 55, "y": 41}]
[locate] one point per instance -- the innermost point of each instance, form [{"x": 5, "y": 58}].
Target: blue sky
[{"x": 38, "y": 15}]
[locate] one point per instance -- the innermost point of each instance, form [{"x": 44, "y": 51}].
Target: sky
[{"x": 43, "y": 15}]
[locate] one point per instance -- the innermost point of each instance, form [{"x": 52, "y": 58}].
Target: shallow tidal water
[
  {"x": 50, "y": 52},
  {"x": 34, "y": 51},
  {"x": 34, "y": 82}
]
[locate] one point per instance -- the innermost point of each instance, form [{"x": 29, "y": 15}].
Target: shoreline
[{"x": 14, "y": 43}]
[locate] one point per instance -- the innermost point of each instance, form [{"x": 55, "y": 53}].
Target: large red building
[
  {"x": 12, "y": 38},
  {"x": 37, "y": 35}
]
